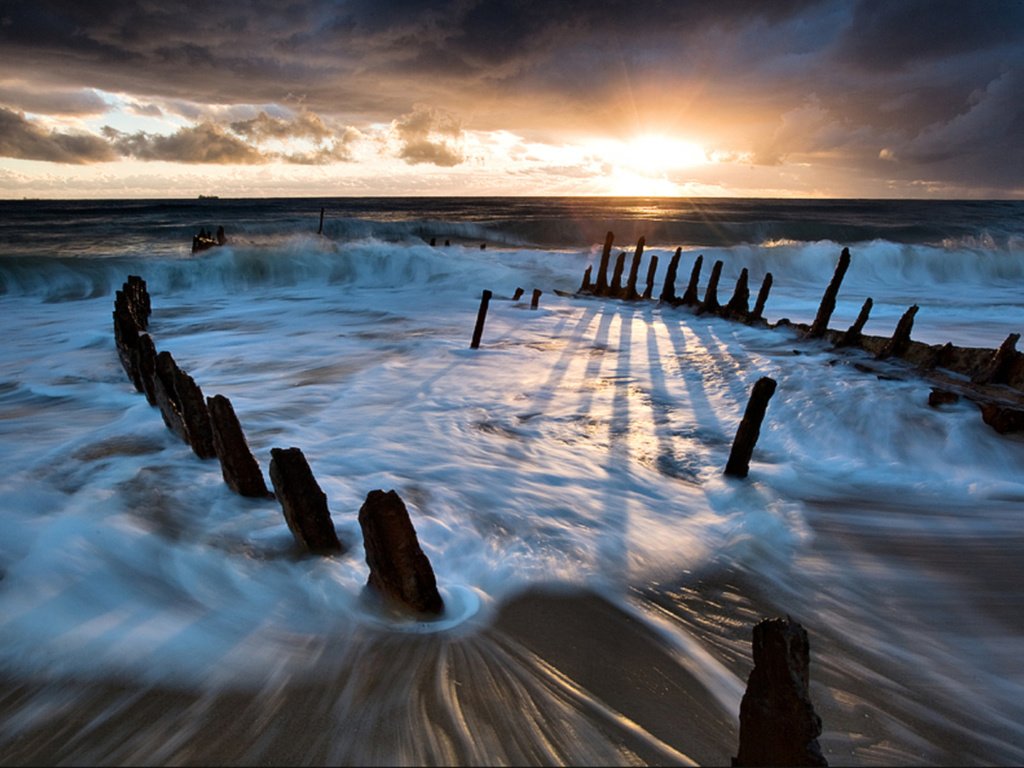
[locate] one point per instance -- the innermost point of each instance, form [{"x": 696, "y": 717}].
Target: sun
[
  {"x": 641, "y": 165},
  {"x": 651, "y": 154}
]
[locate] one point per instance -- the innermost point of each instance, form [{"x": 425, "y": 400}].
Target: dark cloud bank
[{"x": 928, "y": 91}]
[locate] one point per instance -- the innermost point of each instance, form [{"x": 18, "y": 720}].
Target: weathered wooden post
[
  {"x": 303, "y": 502},
  {"x": 165, "y": 371},
  {"x": 535, "y": 301},
  {"x": 602, "y": 271},
  {"x": 739, "y": 304},
  {"x": 481, "y": 315},
  {"x": 320, "y": 230},
  {"x": 668, "y": 290},
  {"x": 399, "y": 570},
  {"x": 239, "y": 467},
  {"x": 778, "y": 724},
  {"x": 651, "y": 269},
  {"x": 126, "y": 339},
  {"x": 710, "y": 303},
  {"x": 750, "y": 428},
  {"x": 853, "y": 334},
  {"x": 615, "y": 289},
  {"x": 518, "y": 294},
  {"x": 757, "y": 313},
  {"x": 900, "y": 339},
  {"x": 585, "y": 285},
  {"x": 690, "y": 295},
  {"x": 137, "y": 297},
  {"x": 630, "y": 293},
  {"x": 828, "y": 301},
  {"x": 147, "y": 366},
  {"x": 995, "y": 370},
  {"x": 195, "y": 415},
  {"x": 1002, "y": 419}
]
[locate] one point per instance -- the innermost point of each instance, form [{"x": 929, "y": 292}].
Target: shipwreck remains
[
  {"x": 481, "y": 316},
  {"x": 750, "y": 428},
  {"x": 303, "y": 502},
  {"x": 238, "y": 466},
  {"x": 778, "y": 724},
  {"x": 399, "y": 570},
  {"x": 993, "y": 379}
]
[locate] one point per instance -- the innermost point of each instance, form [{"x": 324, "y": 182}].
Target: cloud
[
  {"x": 822, "y": 81},
  {"x": 305, "y": 125},
  {"x": 979, "y": 143},
  {"x": 429, "y": 136},
  {"x": 203, "y": 143},
  {"x": 886, "y": 35},
  {"x": 25, "y": 140},
  {"x": 77, "y": 102}
]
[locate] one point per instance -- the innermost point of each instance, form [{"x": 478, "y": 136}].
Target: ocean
[{"x": 601, "y": 575}]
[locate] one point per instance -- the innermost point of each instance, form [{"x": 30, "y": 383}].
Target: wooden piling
[
  {"x": 828, "y": 301},
  {"x": 147, "y": 366},
  {"x": 535, "y": 301},
  {"x": 238, "y": 466},
  {"x": 194, "y": 414},
  {"x": 900, "y": 339},
  {"x": 615, "y": 289},
  {"x": 303, "y": 502},
  {"x": 165, "y": 371},
  {"x": 601, "y": 288},
  {"x": 668, "y": 290},
  {"x": 852, "y": 336},
  {"x": 757, "y": 314},
  {"x": 585, "y": 286},
  {"x": 750, "y": 428},
  {"x": 137, "y": 299},
  {"x": 778, "y": 724},
  {"x": 320, "y": 229},
  {"x": 690, "y": 295},
  {"x": 995, "y": 370},
  {"x": 710, "y": 303},
  {"x": 399, "y": 570},
  {"x": 630, "y": 293},
  {"x": 481, "y": 315},
  {"x": 651, "y": 269},
  {"x": 739, "y": 305},
  {"x": 126, "y": 340},
  {"x": 518, "y": 294}
]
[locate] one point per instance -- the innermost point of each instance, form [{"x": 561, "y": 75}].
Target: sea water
[{"x": 581, "y": 446}]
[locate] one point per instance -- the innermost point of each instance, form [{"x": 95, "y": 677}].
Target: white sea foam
[{"x": 582, "y": 444}]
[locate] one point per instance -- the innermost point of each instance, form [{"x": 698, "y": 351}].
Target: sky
[{"x": 788, "y": 98}]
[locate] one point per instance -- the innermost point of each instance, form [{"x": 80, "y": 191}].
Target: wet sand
[{"x": 556, "y": 678}]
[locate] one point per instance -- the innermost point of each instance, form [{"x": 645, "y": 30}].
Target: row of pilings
[
  {"x": 992, "y": 378},
  {"x": 400, "y": 572},
  {"x": 778, "y": 724}
]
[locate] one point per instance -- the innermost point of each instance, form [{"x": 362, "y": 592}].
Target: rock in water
[
  {"x": 304, "y": 504},
  {"x": 399, "y": 570},
  {"x": 778, "y": 724}
]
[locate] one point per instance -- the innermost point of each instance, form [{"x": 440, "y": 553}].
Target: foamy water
[{"x": 581, "y": 445}]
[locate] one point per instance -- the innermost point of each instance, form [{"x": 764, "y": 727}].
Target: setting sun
[
  {"x": 638, "y": 166},
  {"x": 653, "y": 154}
]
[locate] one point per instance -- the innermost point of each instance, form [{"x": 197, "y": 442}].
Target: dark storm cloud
[
  {"x": 24, "y": 140},
  {"x": 67, "y": 102},
  {"x": 908, "y": 89}
]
